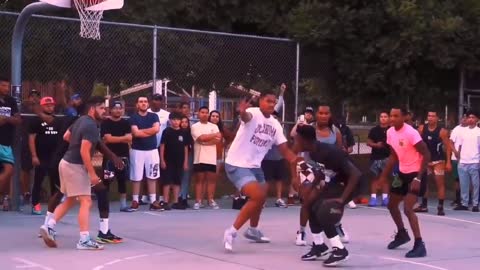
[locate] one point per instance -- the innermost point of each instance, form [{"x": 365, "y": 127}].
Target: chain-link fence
[{"x": 128, "y": 58}]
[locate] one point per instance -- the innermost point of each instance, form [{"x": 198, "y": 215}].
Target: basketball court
[{"x": 193, "y": 240}]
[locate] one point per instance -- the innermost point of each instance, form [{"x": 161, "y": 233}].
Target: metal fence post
[
  {"x": 154, "y": 77},
  {"x": 16, "y": 80},
  {"x": 297, "y": 72}
]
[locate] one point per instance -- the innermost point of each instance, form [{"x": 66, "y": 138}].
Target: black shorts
[
  {"x": 172, "y": 175},
  {"x": 402, "y": 185},
  {"x": 202, "y": 167},
  {"x": 274, "y": 170}
]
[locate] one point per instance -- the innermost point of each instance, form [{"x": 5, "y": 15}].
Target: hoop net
[{"x": 89, "y": 19}]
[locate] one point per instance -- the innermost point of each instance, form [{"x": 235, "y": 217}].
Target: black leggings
[
  {"x": 40, "y": 173},
  {"x": 103, "y": 200}
]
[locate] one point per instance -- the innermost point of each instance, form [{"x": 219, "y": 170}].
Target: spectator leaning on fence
[
  {"x": 469, "y": 158},
  {"x": 9, "y": 119},
  {"x": 205, "y": 136},
  {"x": 377, "y": 140}
]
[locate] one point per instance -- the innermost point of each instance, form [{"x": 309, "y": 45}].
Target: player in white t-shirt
[
  {"x": 469, "y": 159},
  {"x": 156, "y": 107},
  {"x": 454, "y": 144},
  {"x": 258, "y": 132},
  {"x": 205, "y": 135}
]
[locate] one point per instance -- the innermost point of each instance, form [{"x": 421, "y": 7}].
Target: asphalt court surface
[{"x": 193, "y": 240}]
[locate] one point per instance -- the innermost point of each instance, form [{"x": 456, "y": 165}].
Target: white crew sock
[
  {"x": 123, "y": 202},
  {"x": 318, "y": 238},
  {"x": 144, "y": 198},
  {"x": 336, "y": 242},
  {"x": 153, "y": 197},
  {"x": 302, "y": 229},
  {"x": 160, "y": 198},
  {"x": 373, "y": 195},
  {"x": 51, "y": 222},
  {"x": 135, "y": 198},
  {"x": 384, "y": 196},
  {"x": 232, "y": 230},
  {"x": 48, "y": 217},
  {"x": 104, "y": 225},
  {"x": 84, "y": 236}
]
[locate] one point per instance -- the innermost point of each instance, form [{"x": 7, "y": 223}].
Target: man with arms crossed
[
  {"x": 257, "y": 133},
  {"x": 144, "y": 154},
  {"x": 411, "y": 153}
]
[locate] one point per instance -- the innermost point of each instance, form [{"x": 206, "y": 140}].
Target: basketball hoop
[
  {"x": 90, "y": 13},
  {"x": 89, "y": 19}
]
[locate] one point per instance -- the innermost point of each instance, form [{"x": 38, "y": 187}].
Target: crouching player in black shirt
[{"x": 331, "y": 186}]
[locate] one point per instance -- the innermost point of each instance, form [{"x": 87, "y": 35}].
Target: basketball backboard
[{"x": 105, "y": 5}]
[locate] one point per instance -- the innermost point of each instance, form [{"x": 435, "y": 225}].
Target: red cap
[{"x": 47, "y": 101}]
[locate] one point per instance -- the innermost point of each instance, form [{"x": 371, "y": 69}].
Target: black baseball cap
[
  {"x": 116, "y": 104},
  {"x": 157, "y": 97},
  {"x": 309, "y": 110}
]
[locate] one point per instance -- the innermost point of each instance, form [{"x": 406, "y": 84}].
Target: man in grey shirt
[{"x": 77, "y": 174}]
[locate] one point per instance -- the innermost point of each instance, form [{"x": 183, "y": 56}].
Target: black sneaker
[
  {"x": 165, "y": 206},
  {"x": 179, "y": 206},
  {"x": 440, "y": 211},
  {"x": 336, "y": 257},
  {"x": 108, "y": 238},
  {"x": 461, "y": 208},
  {"x": 401, "y": 237},
  {"x": 475, "y": 209},
  {"x": 418, "y": 251},
  {"x": 421, "y": 209},
  {"x": 316, "y": 252}
]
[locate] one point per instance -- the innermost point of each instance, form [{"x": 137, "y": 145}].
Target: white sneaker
[
  {"x": 214, "y": 205},
  {"x": 256, "y": 235},
  {"x": 228, "y": 238},
  {"x": 352, "y": 205},
  {"x": 300, "y": 240},
  {"x": 89, "y": 245},
  {"x": 281, "y": 203},
  {"x": 342, "y": 233},
  {"x": 196, "y": 206}
]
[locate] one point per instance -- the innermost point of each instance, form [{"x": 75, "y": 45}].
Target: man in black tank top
[{"x": 437, "y": 142}]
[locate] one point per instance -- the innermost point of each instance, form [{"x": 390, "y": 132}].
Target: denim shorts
[{"x": 241, "y": 176}]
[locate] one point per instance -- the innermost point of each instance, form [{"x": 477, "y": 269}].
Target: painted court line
[
  {"x": 401, "y": 261},
  {"x": 29, "y": 264},
  {"x": 431, "y": 216},
  {"x": 112, "y": 262}
]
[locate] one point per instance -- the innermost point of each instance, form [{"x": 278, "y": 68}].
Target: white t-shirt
[
  {"x": 469, "y": 139},
  {"x": 455, "y": 136},
  {"x": 254, "y": 139},
  {"x": 163, "y": 117},
  {"x": 206, "y": 154}
]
